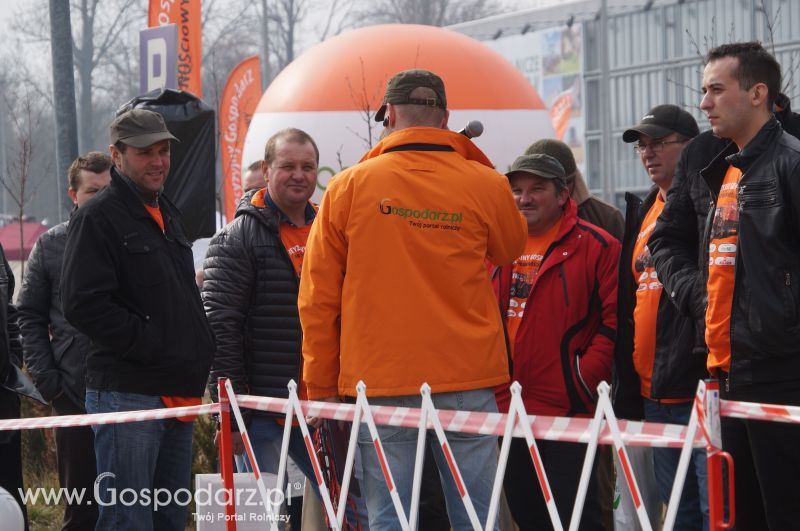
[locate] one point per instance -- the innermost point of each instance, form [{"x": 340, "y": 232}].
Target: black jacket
[
  {"x": 54, "y": 352},
  {"x": 250, "y": 296},
  {"x": 130, "y": 288},
  {"x": 765, "y": 324},
  {"x": 677, "y": 366}
]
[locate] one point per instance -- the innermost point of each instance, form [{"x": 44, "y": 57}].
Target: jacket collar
[
  {"x": 259, "y": 203},
  {"x": 764, "y": 139},
  {"x": 147, "y": 197},
  {"x": 430, "y": 135}
]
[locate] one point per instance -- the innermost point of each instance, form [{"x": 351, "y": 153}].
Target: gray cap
[
  {"x": 139, "y": 128},
  {"x": 540, "y": 165},
  {"x": 399, "y": 88}
]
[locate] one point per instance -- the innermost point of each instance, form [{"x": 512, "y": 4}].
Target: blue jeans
[
  {"x": 476, "y": 456},
  {"x": 144, "y": 468},
  {"x": 266, "y": 436},
  {"x": 693, "y": 508}
]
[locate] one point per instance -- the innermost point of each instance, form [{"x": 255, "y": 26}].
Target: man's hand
[
  {"x": 316, "y": 422},
  {"x": 236, "y": 442}
]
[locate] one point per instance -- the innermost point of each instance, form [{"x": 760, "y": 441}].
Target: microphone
[{"x": 473, "y": 129}]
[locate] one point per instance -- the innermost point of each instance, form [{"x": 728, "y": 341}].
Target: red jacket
[{"x": 565, "y": 343}]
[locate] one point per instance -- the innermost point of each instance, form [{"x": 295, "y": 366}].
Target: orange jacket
[{"x": 394, "y": 290}]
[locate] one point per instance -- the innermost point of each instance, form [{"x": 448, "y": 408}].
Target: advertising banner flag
[
  {"x": 186, "y": 15},
  {"x": 560, "y": 113},
  {"x": 238, "y": 104}
]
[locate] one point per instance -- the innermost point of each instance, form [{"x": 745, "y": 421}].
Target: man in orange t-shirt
[
  {"x": 752, "y": 320},
  {"x": 656, "y": 372}
]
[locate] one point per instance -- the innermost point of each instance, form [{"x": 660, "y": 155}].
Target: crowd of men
[{"x": 519, "y": 277}]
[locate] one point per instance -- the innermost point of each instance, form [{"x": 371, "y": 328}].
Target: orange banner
[
  {"x": 186, "y": 14},
  {"x": 238, "y": 104},
  {"x": 560, "y": 112}
]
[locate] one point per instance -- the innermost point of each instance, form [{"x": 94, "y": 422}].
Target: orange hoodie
[{"x": 394, "y": 290}]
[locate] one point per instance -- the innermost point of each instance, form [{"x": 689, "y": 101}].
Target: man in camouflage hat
[{"x": 559, "y": 301}]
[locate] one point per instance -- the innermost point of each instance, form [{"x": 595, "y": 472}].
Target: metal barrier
[{"x": 603, "y": 428}]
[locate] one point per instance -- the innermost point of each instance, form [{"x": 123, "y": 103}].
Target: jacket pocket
[
  {"x": 789, "y": 296},
  {"x": 144, "y": 259},
  {"x": 579, "y": 377},
  {"x": 759, "y": 194}
]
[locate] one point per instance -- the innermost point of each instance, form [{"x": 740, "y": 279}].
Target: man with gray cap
[
  {"x": 656, "y": 366},
  {"x": 559, "y": 301},
  {"x": 590, "y": 208},
  {"x": 128, "y": 284},
  {"x": 394, "y": 292}
]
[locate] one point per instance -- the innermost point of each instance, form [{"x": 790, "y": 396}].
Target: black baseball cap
[
  {"x": 540, "y": 165},
  {"x": 661, "y": 121},
  {"x": 398, "y": 90},
  {"x": 139, "y": 128}
]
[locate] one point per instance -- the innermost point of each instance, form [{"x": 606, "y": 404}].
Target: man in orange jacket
[{"x": 394, "y": 290}]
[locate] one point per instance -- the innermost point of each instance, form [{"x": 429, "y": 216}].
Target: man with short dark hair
[
  {"x": 394, "y": 290},
  {"x": 656, "y": 371},
  {"x": 748, "y": 288},
  {"x": 54, "y": 352},
  {"x": 128, "y": 284},
  {"x": 558, "y": 299}
]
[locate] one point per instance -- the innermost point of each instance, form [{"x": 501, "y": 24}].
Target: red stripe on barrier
[
  {"x": 384, "y": 468},
  {"x": 313, "y": 461},
  {"x": 629, "y": 478},
  {"x": 249, "y": 450},
  {"x": 540, "y": 474},
  {"x": 451, "y": 464},
  {"x": 775, "y": 410}
]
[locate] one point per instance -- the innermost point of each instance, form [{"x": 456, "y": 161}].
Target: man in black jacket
[
  {"x": 746, "y": 285},
  {"x": 54, "y": 352},
  {"x": 655, "y": 369},
  {"x": 128, "y": 284}
]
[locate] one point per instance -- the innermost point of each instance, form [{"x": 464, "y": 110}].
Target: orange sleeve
[
  {"x": 507, "y": 238},
  {"x": 320, "y": 297}
]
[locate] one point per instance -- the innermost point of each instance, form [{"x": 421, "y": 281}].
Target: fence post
[
  {"x": 715, "y": 456},
  {"x": 226, "y": 455}
]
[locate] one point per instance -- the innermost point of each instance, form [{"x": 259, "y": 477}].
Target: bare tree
[
  {"x": 429, "y": 12},
  {"x": 17, "y": 178}
]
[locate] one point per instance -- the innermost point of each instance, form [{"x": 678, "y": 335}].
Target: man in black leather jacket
[
  {"x": 54, "y": 352},
  {"x": 751, "y": 309}
]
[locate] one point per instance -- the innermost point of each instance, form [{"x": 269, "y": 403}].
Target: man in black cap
[
  {"x": 559, "y": 302},
  {"x": 656, "y": 368},
  {"x": 128, "y": 284}
]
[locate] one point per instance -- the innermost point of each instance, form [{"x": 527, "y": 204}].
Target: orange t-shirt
[
  {"x": 173, "y": 401},
  {"x": 155, "y": 213},
  {"x": 648, "y": 294},
  {"x": 523, "y": 272},
  {"x": 294, "y": 240},
  {"x": 721, "y": 269}
]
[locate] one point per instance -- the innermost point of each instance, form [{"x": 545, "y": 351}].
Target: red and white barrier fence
[{"x": 703, "y": 430}]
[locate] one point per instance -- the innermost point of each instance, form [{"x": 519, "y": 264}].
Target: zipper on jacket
[{"x": 564, "y": 282}]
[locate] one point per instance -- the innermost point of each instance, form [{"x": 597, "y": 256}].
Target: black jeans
[
  {"x": 77, "y": 467},
  {"x": 11, "y": 450},
  {"x": 563, "y": 462},
  {"x": 766, "y": 460}
]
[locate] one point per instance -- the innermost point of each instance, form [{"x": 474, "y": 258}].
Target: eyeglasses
[{"x": 655, "y": 147}]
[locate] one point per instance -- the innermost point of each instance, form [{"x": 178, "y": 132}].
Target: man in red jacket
[{"x": 559, "y": 303}]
